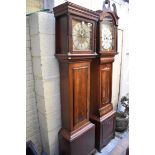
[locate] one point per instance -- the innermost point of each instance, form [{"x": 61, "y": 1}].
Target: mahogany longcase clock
[
  {"x": 101, "y": 109},
  {"x": 75, "y": 48}
]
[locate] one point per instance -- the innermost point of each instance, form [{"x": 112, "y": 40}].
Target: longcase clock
[
  {"x": 75, "y": 48},
  {"x": 101, "y": 108}
]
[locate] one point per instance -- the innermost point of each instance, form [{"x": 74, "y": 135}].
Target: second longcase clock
[{"x": 101, "y": 108}]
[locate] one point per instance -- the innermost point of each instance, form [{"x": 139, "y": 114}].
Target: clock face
[
  {"x": 107, "y": 36},
  {"x": 81, "y": 35}
]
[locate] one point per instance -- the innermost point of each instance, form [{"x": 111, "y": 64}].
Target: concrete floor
[{"x": 116, "y": 146}]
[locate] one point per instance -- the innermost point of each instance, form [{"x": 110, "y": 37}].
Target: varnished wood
[
  {"x": 106, "y": 83},
  {"x": 64, "y": 15},
  {"x": 79, "y": 74},
  {"x": 71, "y": 8},
  {"x": 75, "y": 80},
  {"x": 79, "y": 143},
  {"x": 101, "y": 108},
  {"x": 85, "y": 81},
  {"x": 101, "y": 86},
  {"x": 77, "y": 135}
]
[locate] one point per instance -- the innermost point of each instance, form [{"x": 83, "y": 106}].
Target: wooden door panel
[
  {"x": 107, "y": 129},
  {"x": 80, "y": 87},
  {"x": 105, "y": 76}
]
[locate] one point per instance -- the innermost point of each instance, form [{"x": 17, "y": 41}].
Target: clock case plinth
[
  {"x": 101, "y": 108},
  {"x": 77, "y": 135},
  {"x": 104, "y": 129}
]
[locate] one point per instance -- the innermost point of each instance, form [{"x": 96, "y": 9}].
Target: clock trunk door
[
  {"x": 106, "y": 83},
  {"x": 79, "y": 86}
]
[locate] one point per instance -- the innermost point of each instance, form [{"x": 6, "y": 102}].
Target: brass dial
[{"x": 81, "y": 35}]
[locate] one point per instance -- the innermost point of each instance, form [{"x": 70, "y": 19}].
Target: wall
[
  {"x": 34, "y": 5},
  {"x": 124, "y": 82},
  {"x": 117, "y": 71},
  {"x": 46, "y": 75},
  {"x": 32, "y": 124}
]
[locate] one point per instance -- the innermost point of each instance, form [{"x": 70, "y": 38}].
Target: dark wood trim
[
  {"x": 75, "y": 57},
  {"x": 104, "y": 13},
  {"x": 71, "y": 8}
]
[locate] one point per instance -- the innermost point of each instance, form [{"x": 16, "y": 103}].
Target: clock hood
[{"x": 106, "y": 11}]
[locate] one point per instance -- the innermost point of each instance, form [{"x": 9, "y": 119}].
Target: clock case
[
  {"x": 109, "y": 14},
  {"x": 77, "y": 135},
  {"x": 101, "y": 108},
  {"x": 64, "y": 14}
]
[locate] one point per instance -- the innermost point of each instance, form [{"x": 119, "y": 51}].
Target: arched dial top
[
  {"x": 107, "y": 34},
  {"x": 81, "y": 35}
]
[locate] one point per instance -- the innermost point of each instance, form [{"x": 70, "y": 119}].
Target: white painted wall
[
  {"x": 46, "y": 75},
  {"x": 120, "y": 66},
  {"x": 32, "y": 124},
  {"x": 124, "y": 84},
  {"x": 117, "y": 71}
]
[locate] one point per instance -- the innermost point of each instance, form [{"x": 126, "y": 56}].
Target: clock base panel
[
  {"x": 104, "y": 129},
  {"x": 83, "y": 142}
]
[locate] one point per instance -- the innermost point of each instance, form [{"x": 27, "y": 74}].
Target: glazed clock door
[
  {"x": 79, "y": 86},
  {"x": 82, "y": 35},
  {"x": 107, "y": 35},
  {"x": 106, "y": 83}
]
